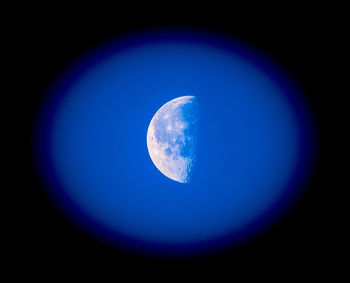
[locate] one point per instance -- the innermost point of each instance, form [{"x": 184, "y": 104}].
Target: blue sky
[{"x": 252, "y": 137}]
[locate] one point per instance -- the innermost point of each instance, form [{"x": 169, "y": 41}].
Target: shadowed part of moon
[{"x": 172, "y": 138}]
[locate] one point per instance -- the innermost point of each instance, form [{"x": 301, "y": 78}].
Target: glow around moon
[{"x": 172, "y": 138}]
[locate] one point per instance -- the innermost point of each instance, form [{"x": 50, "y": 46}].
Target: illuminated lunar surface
[{"x": 172, "y": 138}]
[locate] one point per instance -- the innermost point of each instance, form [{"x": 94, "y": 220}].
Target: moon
[{"x": 172, "y": 138}]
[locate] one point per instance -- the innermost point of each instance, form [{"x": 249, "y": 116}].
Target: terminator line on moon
[{"x": 172, "y": 138}]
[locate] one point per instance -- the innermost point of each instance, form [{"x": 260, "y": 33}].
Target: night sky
[{"x": 52, "y": 44}]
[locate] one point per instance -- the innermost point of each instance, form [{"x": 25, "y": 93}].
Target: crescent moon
[{"x": 172, "y": 138}]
